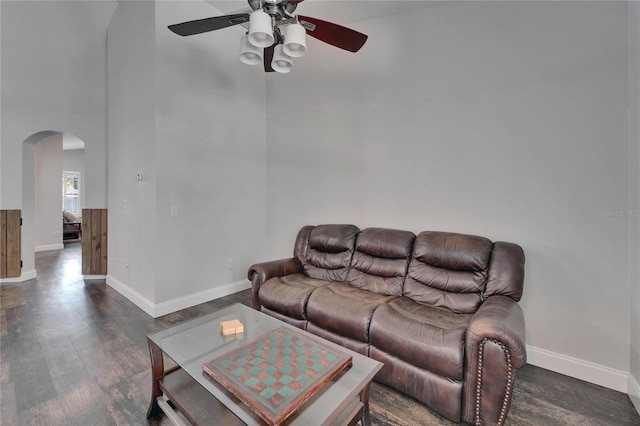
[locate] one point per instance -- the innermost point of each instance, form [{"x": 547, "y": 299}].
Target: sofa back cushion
[
  {"x": 506, "y": 273},
  {"x": 448, "y": 270},
  {"x": 380, "y": 260},
  {"x": 325, "y": 250}
]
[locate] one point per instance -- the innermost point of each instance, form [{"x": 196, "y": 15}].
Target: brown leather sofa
[{"x": 438, "y": 309}]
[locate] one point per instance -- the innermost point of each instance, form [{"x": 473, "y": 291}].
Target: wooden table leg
[
  {"x": 364, "y": 398},
  {"x": 157, "y": 373}
]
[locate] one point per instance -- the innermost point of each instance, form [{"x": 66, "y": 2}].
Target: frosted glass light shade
[
  {"x": 260, "y": 29},
  {"x": 295, "y": 41},
  {"x": 281, "y": 62},
  {"x": 249, "y": 54}
]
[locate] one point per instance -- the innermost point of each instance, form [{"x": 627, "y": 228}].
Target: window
[{"x": 71, "y": 192}]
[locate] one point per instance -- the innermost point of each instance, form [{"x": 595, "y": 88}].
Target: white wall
[
  {"x": 634, "y": 199},
  {"x": 53, "y": 78},
  {"x": 503, "y": 119},
  {"x": 133, "y": 244},
  {"x": 211, "y": 157},
  {"x": 28, "y": 210},
  {"x": 48, "y": 193},
  {"x": 186, "y": 114},
  {"x": 73, "y": 160}
]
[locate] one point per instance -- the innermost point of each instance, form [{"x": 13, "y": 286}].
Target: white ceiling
[{"x": 338, "y": 11}]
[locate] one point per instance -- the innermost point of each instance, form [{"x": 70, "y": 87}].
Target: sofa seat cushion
[
  {"x": 427, "y": 337},
  {"x": 289, "y": 294},
  {"x": 345, "y": 310}
]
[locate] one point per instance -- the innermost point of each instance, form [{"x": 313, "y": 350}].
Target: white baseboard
[
  {"x": 139, "y": 300},
  {"x": 634, "y": 392},
  {"x": 201, "y": 297},
  {"x": 164, "y": 308},
  {"x": 580, "y": 369},
  {"x": 25, "y": 276},
  {"x": 94, "y": 277},
  {"x": 48, "y": 247}
]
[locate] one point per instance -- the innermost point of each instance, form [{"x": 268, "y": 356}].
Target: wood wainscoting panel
[
  {"x": 10, "y": 245},
  {"x": 94, "y": 241}
]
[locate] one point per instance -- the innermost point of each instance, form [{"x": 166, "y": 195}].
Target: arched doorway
[
  {"x": 43, "y": 157},
  {"x": 34, "y": 226}
]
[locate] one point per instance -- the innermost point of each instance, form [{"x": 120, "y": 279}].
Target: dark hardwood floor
[{"x": 75, "y": 353}]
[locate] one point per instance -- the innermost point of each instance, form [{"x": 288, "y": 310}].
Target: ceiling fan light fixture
[
  {"x": 249, "y": 54},
  {"x": 295, "y": 41},
  {"x": 281, "y": 62},
  {"x": 260, "y": 29},
  {"x": 276, "y": 35}
]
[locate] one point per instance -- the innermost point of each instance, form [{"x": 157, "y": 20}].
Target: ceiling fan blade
[
  {"x": 334, "y": 34},
  {"x": 208, "y": 24},
  {"x": 268, "y": 57}
]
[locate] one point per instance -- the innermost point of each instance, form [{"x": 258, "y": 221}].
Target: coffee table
[{"x": 185, "y": 388}]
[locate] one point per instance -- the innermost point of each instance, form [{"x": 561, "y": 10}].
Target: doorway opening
[{"x": 45, "y": 156}]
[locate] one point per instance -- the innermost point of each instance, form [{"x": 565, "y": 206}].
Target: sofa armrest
[
  {"x": 259, "y": 273},
  {"x": 500, "y": 318},
  {"x": 495, "y": 348}
]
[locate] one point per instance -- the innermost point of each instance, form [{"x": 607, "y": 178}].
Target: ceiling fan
[{"x": 275, "y": 34}]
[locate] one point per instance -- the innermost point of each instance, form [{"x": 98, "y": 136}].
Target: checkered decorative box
[{"x": 277, "y": 373}]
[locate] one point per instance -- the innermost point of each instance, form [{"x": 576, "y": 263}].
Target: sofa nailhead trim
[{"x": 509, "y": 387}]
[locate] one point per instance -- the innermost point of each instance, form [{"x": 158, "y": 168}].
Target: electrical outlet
[{"x": 229, "y": 263}]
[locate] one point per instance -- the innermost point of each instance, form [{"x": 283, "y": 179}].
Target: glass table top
[{"x": 193, "y": 343}]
